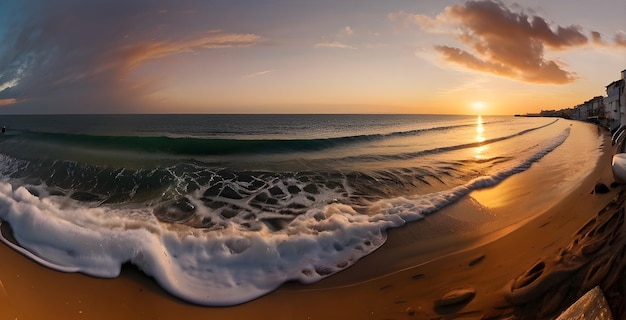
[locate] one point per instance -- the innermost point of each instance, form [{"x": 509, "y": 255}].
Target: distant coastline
[
  {"x": 529, "y": 115},
  {"x": 606, "y": 111}
]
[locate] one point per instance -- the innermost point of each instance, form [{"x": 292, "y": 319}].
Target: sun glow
[{"x": 478, "y": 106}]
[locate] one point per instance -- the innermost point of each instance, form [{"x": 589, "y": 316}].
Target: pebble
[{"x": 456, "y": 296}]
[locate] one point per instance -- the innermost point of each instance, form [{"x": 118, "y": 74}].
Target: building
[
  {"x": 615, "y": 103},
  {"x": 581, "y": 112},
  {"x": 609, "y": 111},
  {"x": 596, "y": 109}
]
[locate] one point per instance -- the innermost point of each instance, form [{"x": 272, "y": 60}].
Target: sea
[{"x": 222, "y": 209}]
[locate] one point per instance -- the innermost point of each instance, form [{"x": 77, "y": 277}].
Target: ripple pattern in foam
[{"x": 226, "y": 266}]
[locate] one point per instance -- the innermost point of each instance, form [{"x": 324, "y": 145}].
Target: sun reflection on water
[{"x": 481, "y": 149}]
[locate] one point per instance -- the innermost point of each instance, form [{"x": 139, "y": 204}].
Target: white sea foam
[{"x": 220, "y": 267}]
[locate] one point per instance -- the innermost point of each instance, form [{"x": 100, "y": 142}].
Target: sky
[{"x": 299, "y": 56}]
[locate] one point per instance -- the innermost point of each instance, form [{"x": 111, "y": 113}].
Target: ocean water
[{"x": 221, "y": 209}]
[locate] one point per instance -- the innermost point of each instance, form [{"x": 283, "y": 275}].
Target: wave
[
  {"x": 239, "y": 264},
  {"x": 194, "y": 146},
  {"x": 415, "y": 154},
  {"x": 222, "y": 234}
]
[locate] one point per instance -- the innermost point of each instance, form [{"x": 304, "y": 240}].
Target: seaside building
[
  {"x": 615, "y": 103},
  {"x": 591, "y": 110},
  {"x": 581, "y": 112},
  {"x": 609, "y": 111},
  {"x": 596, "y": 109}
]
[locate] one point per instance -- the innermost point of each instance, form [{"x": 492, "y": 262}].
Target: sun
[{"x": 478, "y": 106}]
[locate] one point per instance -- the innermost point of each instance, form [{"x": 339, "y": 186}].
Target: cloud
[
  {"x": 4, "y": 102},
  {"x": 334, "y": 44},
  {"x": 620, "y": 39},
  {"x": 597, "y": 38},
  {"x": 74, "y": 56},
  {"x": 500, "y": 41},
  {"x": 256, "y": 74},
  {"x": 344, "y": 33},
  {"x": 467, "y": 59},
  {"x": 406, "y": 20},
  {"x": 347, "y": 31},
  {"x": 135, "y": 54}
]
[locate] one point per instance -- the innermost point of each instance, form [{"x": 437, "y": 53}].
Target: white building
[{"x": 615, "y": 103}]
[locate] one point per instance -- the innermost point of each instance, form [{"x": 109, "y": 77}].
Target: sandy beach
[{"x": 524, "y": 249}]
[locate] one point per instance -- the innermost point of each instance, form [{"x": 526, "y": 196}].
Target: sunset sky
[{"x": 296, "y": 56}]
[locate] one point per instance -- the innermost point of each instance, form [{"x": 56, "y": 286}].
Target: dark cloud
[
  {"x": 506, "y": 43},
  {"x": 597, "y": 38},
  {"x": 513, "y": 41},
  {"x": 620, "y": 39},
  {"x": 75, "y": 56}
]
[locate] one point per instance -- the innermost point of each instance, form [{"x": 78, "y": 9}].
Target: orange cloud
[
  {"x": 4, "y": 102},
  {"x": 502, "y": 42},
  {"x": 110, "y": 68},
  {"x": 334, "y": 44},
  {"x": 467, "y": 59},
  {"x": 135, "y": 54}
]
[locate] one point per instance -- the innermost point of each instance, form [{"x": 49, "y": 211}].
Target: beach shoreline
[{"x": 405, "y": 278}]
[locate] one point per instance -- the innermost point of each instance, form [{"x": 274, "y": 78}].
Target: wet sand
[{"x": 437, "y": 268}]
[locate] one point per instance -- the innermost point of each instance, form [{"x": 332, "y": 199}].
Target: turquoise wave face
[
  {"x": 249, "y": 178},
  {"x": 29, "y": 144},
  {"x": 208, "y": 146}
]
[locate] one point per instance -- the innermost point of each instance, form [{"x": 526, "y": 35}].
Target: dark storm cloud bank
[
  {"x": 503, "y": 42},
  {"x": 76, "y": 56}
]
